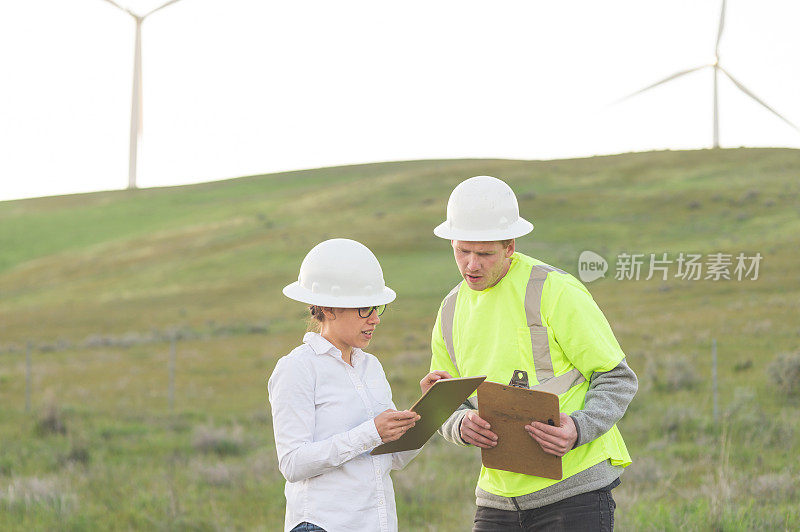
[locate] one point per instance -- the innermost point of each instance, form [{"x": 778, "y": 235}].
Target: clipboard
[
  {"x": 508, "y": 409},
  {"x": 434, "y": 407}
]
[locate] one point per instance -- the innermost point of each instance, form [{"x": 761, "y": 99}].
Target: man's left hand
[
  {"x": 431, "y": 378},
  {"x": 554, "y": 440}
]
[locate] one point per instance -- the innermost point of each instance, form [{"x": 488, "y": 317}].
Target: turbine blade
[
  {"x": 721, "y": 27},
  {"x": 756, "y": 98},
  {"x": 160, "y": 7},
  {"x": 669, "y": 78}
]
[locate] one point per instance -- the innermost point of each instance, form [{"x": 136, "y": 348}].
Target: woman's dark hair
[{"x": 315, "y": 318}]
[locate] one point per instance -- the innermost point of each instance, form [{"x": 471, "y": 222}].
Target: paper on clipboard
[
  {"x": 508, "y": 409},
  {"x": 434, "y": 407}
]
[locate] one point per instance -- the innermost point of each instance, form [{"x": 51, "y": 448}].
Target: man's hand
[
  {"x": 392, "y": 424},
  {"x": 475, "y": 431},
  {"x": 429, "y": 379},
  {"x": 554, "y": 440}
]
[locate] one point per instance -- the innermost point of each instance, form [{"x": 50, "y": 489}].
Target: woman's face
[{"x": 346, "y": 329}]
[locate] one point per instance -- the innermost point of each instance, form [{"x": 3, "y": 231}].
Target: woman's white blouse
[{"x": 322, "y": 415}]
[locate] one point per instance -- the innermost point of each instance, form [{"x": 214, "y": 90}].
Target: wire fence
[{"x": 173, "y": 336}]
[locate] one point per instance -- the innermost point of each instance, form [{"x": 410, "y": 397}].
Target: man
[{"x": 513, "y": 312}]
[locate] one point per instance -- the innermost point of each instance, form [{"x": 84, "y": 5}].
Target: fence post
[
  {"x": 172, "y": 374},
  {"x": 28, "y": 378},
  {"x": 714, "y": 377}
]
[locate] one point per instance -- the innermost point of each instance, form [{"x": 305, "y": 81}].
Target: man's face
[{"x": 482, "y": 264}]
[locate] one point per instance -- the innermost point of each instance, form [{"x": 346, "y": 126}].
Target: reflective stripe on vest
[
  {"x": 540, "y": 344},
  {"x": 448, "y": 317}
]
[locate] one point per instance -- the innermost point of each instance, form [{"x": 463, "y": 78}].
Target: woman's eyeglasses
[{"x": 366, "y": 312}]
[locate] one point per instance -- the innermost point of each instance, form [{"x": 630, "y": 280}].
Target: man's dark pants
[{"x": 592, "y": 511}]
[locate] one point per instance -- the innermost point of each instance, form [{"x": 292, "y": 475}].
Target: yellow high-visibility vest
[{"x": 541, "y": 320}]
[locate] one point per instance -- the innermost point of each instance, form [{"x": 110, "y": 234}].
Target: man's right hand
[{"x": 475, "y": 431}]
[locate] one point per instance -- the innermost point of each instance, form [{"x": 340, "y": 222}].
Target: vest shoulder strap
[{"x": 447, "y": 318}]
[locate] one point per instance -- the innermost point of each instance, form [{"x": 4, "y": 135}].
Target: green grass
[{"x": 98, "y": 282}]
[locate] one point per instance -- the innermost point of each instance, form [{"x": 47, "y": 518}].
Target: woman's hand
[
  {"x": 392, "y": 424},
  {"x": 429, "y": 379}
]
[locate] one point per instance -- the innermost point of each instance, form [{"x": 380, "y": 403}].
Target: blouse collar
[{"x": 321, "y": 346}]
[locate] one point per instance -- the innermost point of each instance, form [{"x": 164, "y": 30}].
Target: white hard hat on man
[{"x": 483, "y": 209}]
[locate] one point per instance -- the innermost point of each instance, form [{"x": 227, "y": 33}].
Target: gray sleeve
[
  {"x": 609, "y": 395},
  {"x": 451, "y": 429}
]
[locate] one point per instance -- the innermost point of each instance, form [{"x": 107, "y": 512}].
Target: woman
[{"x": 331, "y": 402}]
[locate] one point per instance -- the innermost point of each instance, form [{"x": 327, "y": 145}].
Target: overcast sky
[{"x": 241, "y": 87}]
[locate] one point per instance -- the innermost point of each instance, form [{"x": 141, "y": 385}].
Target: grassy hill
[{"x": 98, "y": 284}]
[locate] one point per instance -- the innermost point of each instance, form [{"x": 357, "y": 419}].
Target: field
[{"x": 99, "y": 285}]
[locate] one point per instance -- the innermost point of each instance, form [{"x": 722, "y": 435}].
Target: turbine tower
[
  {"x": 717, "y": 69},
  {"x": 136, "y": 105}
]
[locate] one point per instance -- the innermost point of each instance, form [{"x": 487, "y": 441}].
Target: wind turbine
[
  {"x": 136, "y": 105},
  {"x": 717, "y": 69}
]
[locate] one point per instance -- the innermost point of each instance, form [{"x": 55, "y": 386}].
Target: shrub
[
  {"x": 209, "y": 439},
  {"x": 51, "y": 422},
  {"x": 218, "y": 474},
  {"x": 785, "y": 373},
  {"x": 774, "y": 486},
  {"x": 79, "y": 454},
  {"x": 673, "y": 374},
  {"x": 34, "y": 491}
]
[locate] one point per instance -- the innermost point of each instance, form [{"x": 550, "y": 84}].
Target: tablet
[{"x": 434, "y": 407}]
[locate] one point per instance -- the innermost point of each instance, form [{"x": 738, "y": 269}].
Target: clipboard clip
[{"x": 519, "y": 379}]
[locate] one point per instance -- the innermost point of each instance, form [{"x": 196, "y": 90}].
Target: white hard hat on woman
[
  {"x": 331, "y": 402},
  {"x": 340, "y": 273}
]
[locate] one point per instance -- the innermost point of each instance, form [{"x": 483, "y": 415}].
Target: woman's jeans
[
  {"x": 307, "y": 527},
  {"x": 591, "y": 512}
]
